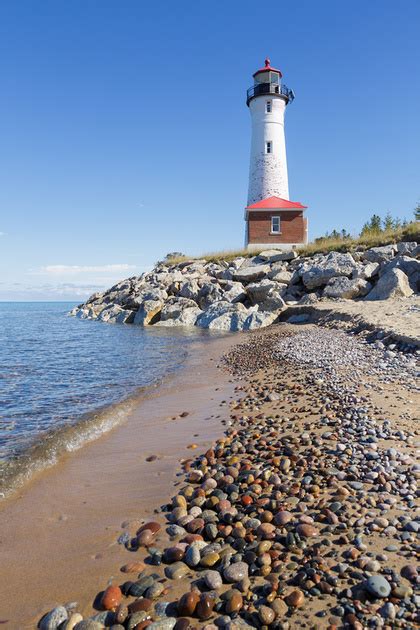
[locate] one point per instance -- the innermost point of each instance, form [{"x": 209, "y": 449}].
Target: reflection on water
[{"x": 57, "y": 370}]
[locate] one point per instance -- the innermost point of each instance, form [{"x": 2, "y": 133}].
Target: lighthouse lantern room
[{"x": 272, "y": 220}]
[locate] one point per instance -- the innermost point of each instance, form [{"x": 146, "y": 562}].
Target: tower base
[{"x": 284, "y": 247}]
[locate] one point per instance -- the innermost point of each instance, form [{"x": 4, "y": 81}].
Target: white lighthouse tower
[{"x": 272, "y": 219}]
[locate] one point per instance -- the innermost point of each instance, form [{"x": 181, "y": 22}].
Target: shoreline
[
  {"x": 282, "y": 405},
  {"x": 82, "y": 501}
]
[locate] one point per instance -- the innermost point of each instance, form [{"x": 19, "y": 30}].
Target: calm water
[{"x": 56, "y": 371}]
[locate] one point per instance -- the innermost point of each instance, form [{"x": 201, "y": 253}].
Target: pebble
[
  {"x": 205, "y": 606},
  {"x": 378, "y": 586},
  {"x": 176, "y": 571},
  {"x": 111, "y": 598},
  {"x": 236, "y": 572},
  {"x": 287, "y": 505},
  {"x": 266, "y": 615},
  {"x": 213, "y": 580},
  {"x": 295, "y": 599},
  {"x": 54, "y": 618},
  {"x": 188, "y": 603},
  {"x": 72, "y": 621},
  {"x": 133, "y": 567}
]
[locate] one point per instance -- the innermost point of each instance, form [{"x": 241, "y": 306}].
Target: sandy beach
[
  {"x": 295, "y": 503},
  {"x": 61, "y": 530}
]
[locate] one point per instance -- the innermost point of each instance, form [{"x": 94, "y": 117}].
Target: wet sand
[{"x": 58, "y": 535}]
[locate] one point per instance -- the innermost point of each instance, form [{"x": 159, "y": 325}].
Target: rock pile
[
  {"x": 249, "y": 293},
  {"x": 301, "y": 516}
]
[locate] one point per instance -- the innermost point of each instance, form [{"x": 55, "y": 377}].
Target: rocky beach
[
  {"x": 247, "y": 293},
  {"x": 302, "y": 514}
]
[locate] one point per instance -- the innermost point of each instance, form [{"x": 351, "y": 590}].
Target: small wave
[{"x": 54, "y": 444}]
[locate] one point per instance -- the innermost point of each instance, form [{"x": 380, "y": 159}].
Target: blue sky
[{"x": 125, "y": 134}]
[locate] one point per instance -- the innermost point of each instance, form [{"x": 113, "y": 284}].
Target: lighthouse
[{"x": 272, "y": 220}]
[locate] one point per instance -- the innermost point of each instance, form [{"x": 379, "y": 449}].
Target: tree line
[{"x": 375, "y": 225}]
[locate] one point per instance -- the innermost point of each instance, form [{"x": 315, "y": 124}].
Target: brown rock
[
  {"x": 266, "y": 615},
  {"x": 151, "y": 526},
  {"x": 195, "y": 526},
  {"x": 235, "y": 603},
  {"x": 111, "y": 598},
  {"x": 145, "y": 538},
  {"x": 173, "y": 554},
  {"x": 306, "y": 531},
  {"x": 295, "y": 599},
  {"x": 143, "y": 603},
  {"x": 133, "y": 567},
  {"x": 205, "y": 606},
  {"x": 283, "y": 517},
  {"x": 188, "y": 603},
  {"x": 266, "y": 531}
]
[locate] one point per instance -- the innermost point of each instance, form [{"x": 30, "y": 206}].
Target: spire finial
[{"x": 267, "y": 62}]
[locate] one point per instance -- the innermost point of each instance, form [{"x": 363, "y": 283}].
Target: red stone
[
  {"x": 111, "y": 598},
  {"x": 152, "y": 526}
]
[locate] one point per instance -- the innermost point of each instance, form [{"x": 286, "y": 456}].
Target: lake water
[{"x": 62, "y": 380}]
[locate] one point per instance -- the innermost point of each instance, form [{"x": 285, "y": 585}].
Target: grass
[{"x": 410, "y": 232}]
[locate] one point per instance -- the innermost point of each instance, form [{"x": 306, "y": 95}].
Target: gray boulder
[
  {"x": 406, "y": 248},
  {"x": 407, "y": 264},
  {"x": 308, "y": 299},
  {"x": 189, "y": 289},
  {"x": 283, "y": 256},
  {"x": 258, "y": 291},
  {"x": 327, "y": 267},
  {"x": 125, "y": 317},
  {"x": 259, "y": 319},
  {"x": 380, "y": 254},
  {"x": 223, "y": 316},
  {"x": 273, "y": 303},
  {"x": 186, "y": 317},
  {"x": 148, "y": 313},
  {"x": 367, "y": 271},
  {"x": 272, "y": 255},
  {"x": 110, "y": 313},
  {"x": 95, "y": 297},
  {"x": 267, "y": 294},
  {"x": 394, "y": 283},
  {"x": 251, "y": 273},
  {"x": 282, "y": 276},
  {"x": 234, "y": 292},
  {"x": 346, "y": 288},
  {"x": 237, "y": 263},
  {"x": 208, "y": 294},
  {"x": 175, "y": 306}
]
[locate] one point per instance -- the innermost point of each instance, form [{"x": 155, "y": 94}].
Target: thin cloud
[
  {"x": 3, "y": 233},
  {"x": 76, "y": 269}
]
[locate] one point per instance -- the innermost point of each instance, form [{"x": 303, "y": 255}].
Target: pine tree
[
  {"x": 388, "y": 222},
  {"x": 417, "y": 212},
  {"x": 375, "y": 224}
]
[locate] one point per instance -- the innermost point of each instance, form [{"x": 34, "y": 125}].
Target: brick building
[{"x": 271, "y": 218}]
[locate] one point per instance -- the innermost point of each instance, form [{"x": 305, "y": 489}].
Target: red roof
[
  {"x": 275, "y": 202},
  {"x": 267, "y": 68}
]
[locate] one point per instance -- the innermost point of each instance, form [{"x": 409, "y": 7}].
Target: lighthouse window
[
  {"x": 269, "y": 147},
  {"x": 268, "y": 107},
  {"x": 275, "y": 225}
]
